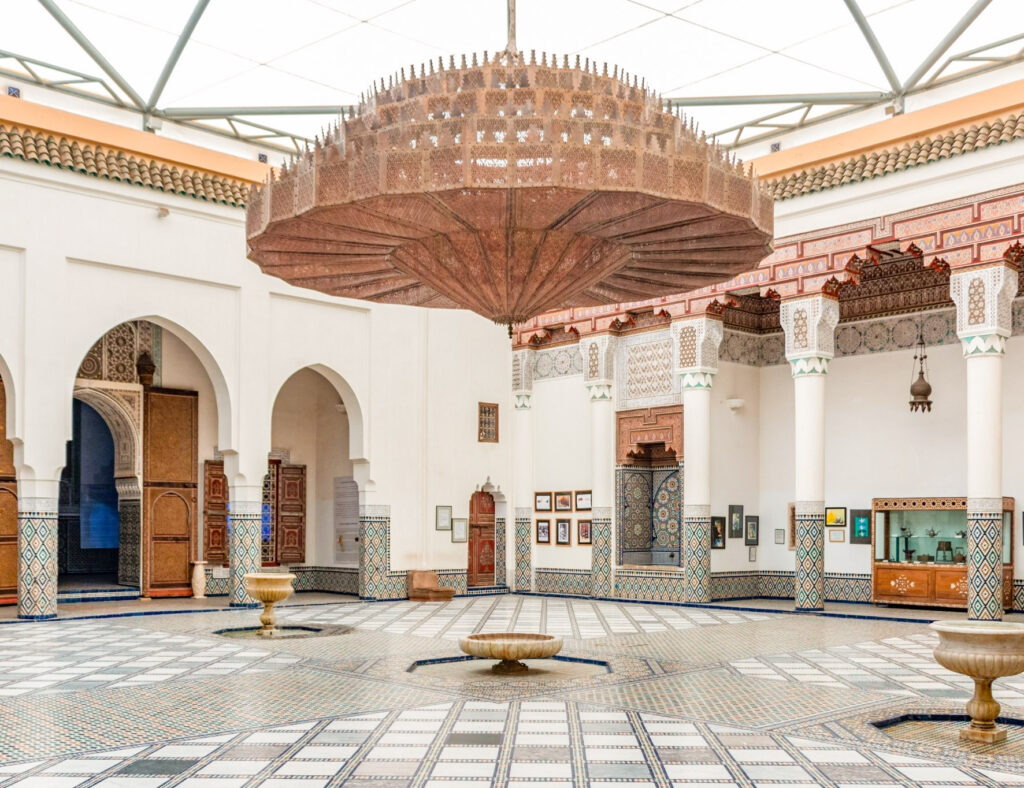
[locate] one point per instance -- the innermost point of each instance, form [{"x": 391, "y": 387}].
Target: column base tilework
[
  {"x": 524, "y": 545},
  {"x": 601, "y": 552},
  {"x": 984, "y": 559},
  {"x": 572, "y": 582},
  {"x": 129, "y": 567},
  {"x": 244, "y": 548},
  {"x": 37, "y": 558},
  {"x": 810, "y": 556},
  {"x": 696, "y": 552},
  {"x": 499, "y": 552},
  {"x": 668, "y": 585}
]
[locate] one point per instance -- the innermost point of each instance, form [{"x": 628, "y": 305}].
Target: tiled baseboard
[{"x": 573, "y": 582}]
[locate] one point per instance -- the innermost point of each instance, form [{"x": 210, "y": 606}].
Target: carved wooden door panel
[
  {"x": 170, "y": 475},
  {"x": 291, "y": 514},
  {"x": 8, "y": 510},
  {"x": 481, "y": 556},
  {"x": 215, "y": 513}
]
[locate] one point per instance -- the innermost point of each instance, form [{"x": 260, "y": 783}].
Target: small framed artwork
[
  {"x": 583, "y": 532},
  {"x": 835, "y": 516},
  {"x": 735, "y": 521},
  {"x": 543, "y": 532},
  {"x": 583, "y": 501},
  {"x": 780, "y": 536},
  {"x": 542, "y": 502},
  {"x": 460, "y": 529},
  {"x": 442, "y": 518},
  {"x": 563, "y": 501},
  {"x": 751, "y": 554},
  {"x": 837, "y": 534},
  {"x": 717, "y": 533},
  {"x": 860, "y": 526},
  {"x": 563, "y": 532},
  {"x": 751, "y": 529}
]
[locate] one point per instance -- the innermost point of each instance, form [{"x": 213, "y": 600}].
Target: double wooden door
[{"x": 480, "y": 571}]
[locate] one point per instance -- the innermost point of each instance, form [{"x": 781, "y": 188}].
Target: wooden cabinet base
[{"x": 928, "y": 585}]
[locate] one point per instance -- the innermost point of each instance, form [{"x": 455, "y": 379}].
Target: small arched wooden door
[{"x": 481, "y": 540}]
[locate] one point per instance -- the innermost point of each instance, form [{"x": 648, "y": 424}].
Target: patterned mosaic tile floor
[{"x": 691, "y": 698}]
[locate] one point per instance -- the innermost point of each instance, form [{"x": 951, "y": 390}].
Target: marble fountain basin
[
  {"x": 985, "y": 651},
  {"x": 269, "y": 588},
  {"x": 510, "y": 648}
]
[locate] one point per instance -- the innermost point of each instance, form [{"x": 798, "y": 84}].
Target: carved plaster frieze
[
  {"x": 522, "y": 370},
  {"x": 598, "y": 354},
  {"x": 695, "y": 344}
]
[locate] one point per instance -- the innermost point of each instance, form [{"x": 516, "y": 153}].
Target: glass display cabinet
[{"x": 920, "y": 551}]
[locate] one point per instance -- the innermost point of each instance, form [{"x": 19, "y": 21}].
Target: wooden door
[
  {"x": 215, "y": 513},
  {"x": 8, "y": 512},
  {"x": 480, "y": 570},
  {"x": 169, "y": 481},
  {"x": 291, "y": 514}
]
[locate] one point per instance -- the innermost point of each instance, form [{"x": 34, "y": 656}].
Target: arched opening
[
  {"x": 310, "y": 495},
  {"x": 144, "y": 418}
]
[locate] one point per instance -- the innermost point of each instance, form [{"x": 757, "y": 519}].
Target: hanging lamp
[{"x": 920, "y": 389}]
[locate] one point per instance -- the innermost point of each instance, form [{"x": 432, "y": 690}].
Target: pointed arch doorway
[{"x": 480, "y": 570}]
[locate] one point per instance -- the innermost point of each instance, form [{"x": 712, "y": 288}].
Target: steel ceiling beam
[
  {"x": 77, "y": 78},
  {"x": 945, "y": 44},
  {"x": 93, "y": 52},
  {"x": 194, "y": 113},
  {"x": 179, "y": 47},
  {"x": 791, "y": 98},
  {"x": 876, "y": 47}
]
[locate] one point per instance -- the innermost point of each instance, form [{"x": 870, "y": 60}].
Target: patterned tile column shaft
[
  {"x": 500, "y": 567},
  {"x": 244, "y": 541},
  {"x": 37, "y": 557},
  {"x": 524, "y": 545},
  {"x": 374, "y": 551},
  {"x": 602, "y": 583},
  {"x": 696, "y": 551},
  {"x": 809, "y": 323},
  {"x": 598, "y": 373},
  {"x": 984, "y": 303}
]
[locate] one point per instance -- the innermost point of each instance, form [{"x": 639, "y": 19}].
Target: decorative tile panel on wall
[
  {"x": 633, "y": 501},
  {"x": 558, "y": 362},
  {"x": 776, "y": 585},
  {"x": 650, "y": 585},
  {"x": 499, "y": 551},
  {"x": 734, "y": 585},
  {"x": 1018, "y": 595},
  {"x": 601, "y": 552},
  {"x": 217, "y": 586},
  {"x": 575, "y": 582},
  {"x": 847, "y": 587},
  {"x": 524, "y": 544},
  {"x": 332, "y": 579},
  {"x": 129, "y": 514},
  {"x": 667, "y": 512}
]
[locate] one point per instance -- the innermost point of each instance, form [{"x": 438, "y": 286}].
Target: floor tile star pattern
[{"x": 692, "y": 698}]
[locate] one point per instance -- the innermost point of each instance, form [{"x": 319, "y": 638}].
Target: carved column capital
[
  {"x": 598, "y": 354},
  {"x": 809, "y": 323},
  {"x": 522, "y": 375},
  {"x": 984, "y": 307},
  {"x": 695, "y": 342}
]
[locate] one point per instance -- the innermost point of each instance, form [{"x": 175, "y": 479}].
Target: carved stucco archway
[{"x": 120, "y": 407}]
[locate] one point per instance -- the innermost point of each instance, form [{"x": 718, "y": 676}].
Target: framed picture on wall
[
  {"x": 583, "y": 532},
  {"x": 837, "y": 534},
  {"x": 563, "y": 501},
  {"x": 563, "y": 532},
  {"x": 735, "y": 521},
  {"x": 442, "y": 518},
  {"x": 542, "y": 502},
  {"x": 780, "y": 536},
  {"x": 860, "y": 526},
  {"x": 751, "y": 529},
  {"x": 543, "y": 532},
  {"x": 717, "y": 533},
  {"x": 751, "y": 554},
  {"x": 460, "y": 529},
  {"x": 583, "y": 501},
  {"x": 835, "y": 516}
]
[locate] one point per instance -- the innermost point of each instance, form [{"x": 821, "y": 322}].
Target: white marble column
[
  {"x": 522, "y": 469},
  {"x": 809, "y": 323},
  {"x": 696, "y": 341},
  {"x": 984, "y": 301},
  {"x": 37, "y": 548},
  {"x": 598, "y": 372}
]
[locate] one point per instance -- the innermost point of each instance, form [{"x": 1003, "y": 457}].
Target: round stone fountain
[
  {"x": 985, "y": 651},
  {"x": 268, "y": 588},
  {"x": 510, "y": 647}
]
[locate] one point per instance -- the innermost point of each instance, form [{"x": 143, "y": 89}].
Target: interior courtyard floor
[{"x": 648, "y": 695}]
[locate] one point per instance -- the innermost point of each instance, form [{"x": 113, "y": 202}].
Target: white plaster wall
[
  {"x": 81, "y": 255},
  {"x": 561, "y": 461}
]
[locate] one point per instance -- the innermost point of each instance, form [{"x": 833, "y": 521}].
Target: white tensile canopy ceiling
[{"x": 244, "y": 67}]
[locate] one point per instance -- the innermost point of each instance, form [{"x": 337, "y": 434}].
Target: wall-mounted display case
[{"x": 920, "y": 551}]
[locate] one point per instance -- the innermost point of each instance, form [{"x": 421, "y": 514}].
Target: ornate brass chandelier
[
  {"x": 920, "y": 389},
  {"x": 510, "y": 186}
]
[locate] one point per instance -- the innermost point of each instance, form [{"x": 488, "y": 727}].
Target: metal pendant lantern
[{"x": 920, "y": 389}]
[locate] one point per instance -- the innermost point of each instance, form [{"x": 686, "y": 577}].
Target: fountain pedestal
[
  {"x": 269, "y": 588},
  {"x": 985, "y": 651},
  {"x": 510, "y": 648}
]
